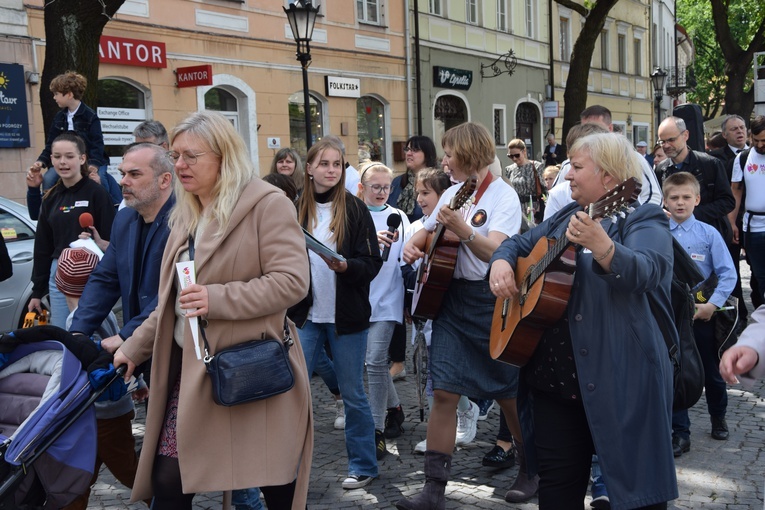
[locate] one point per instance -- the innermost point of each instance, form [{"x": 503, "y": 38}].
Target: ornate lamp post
[
  {"x": 658, "y": 77},
  {"x": 302, "y": 17}
]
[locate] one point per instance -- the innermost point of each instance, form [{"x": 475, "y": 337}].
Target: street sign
[{"x": 550, "y": 109}]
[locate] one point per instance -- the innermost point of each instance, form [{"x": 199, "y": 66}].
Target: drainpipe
[
  {"x": 418, "y": 74},
  {"x": 408, "y": 50}
]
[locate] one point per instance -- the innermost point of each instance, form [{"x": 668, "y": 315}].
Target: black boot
[
  {"x": 394, "y": 422},
  {"x": 524, "y": 487},
  {"x": 437, "y": 468}
]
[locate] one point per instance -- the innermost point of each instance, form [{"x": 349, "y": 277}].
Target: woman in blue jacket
[{"x": 601, "y": 376}]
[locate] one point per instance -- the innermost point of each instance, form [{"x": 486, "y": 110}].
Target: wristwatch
[{"x": 470, "y": 237}]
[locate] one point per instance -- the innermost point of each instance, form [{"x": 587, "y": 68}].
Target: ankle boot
[
  {"x": 524, "y": 487},
  {"x": 437, "y": 468}
]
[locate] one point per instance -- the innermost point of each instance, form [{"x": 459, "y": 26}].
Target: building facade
[
  {"x": 459, "y": 41},
  {"x": 620, "y": 68},
  {"x": 163, "y": 60}
]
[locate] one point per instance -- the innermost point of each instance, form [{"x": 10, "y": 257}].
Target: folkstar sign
[
  {"x": 194, "y": 76},
  {"x": 450, "y": 78},
  {"x": 131, "y": 52}
]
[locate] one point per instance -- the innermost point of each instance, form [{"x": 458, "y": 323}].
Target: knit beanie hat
[{"x": 74, "y": 268}]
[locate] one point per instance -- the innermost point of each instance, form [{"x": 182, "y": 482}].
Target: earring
[{"x": 310, "y": 176}]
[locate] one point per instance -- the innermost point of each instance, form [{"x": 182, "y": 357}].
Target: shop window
[
  {"x": 297, "y": 121},
  {"x": 121, "y": 107},
  {"x": 449, "y": 111},
  {"x": 223, "y": 102},
  {"x": 370, "y": 119}
]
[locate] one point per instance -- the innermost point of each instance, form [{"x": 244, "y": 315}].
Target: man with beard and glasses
[
  {"x": 128, "y": 270},
  {"x": 716, "y": 196}
]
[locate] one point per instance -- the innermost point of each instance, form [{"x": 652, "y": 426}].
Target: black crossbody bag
[{"x": 249, "y": 371}]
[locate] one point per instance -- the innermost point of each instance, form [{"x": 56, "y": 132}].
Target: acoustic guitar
[
  {"x": 544, "y": 280},
  {"x": 436, "y": 270}
]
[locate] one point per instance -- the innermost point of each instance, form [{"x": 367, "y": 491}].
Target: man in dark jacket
[
  {"x": 716, "y": 195},
  {"x": 554, "y": 153},
  {"x": 129, "y": 270}
]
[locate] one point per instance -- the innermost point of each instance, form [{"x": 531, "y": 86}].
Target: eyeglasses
[
  {"x": 668, "y": 140},
  {"x": 189, "y": 157},
  {"x": 412, "y": 149},
  {"x": 513, "y": 156},
  {"x": 377, "y": 188}
]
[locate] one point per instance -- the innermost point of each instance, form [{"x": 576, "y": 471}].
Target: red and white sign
[
  {"x": 131, "y": 52},
  {"x": 194, "y": 76}
]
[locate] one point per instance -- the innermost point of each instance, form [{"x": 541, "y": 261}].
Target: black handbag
[{"x": 250, "y": 371}]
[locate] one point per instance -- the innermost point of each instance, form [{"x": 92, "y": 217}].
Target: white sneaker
[
  {"x": 356, "y": 482},
  {"x": 340, "y": 416},
  {"x": 421, "y": 447},
  {"x": 466, "y": 424}
]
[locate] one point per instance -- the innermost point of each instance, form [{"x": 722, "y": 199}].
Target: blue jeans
[
  {"x": 246, "y": 499},
  {"x": 348, "y": 352},
  {"x": 755, "y": 246},
  {"x": 59, "y": 310},
  {"x": 326, "y": 370},
  {"x": 382, "y": 393}
]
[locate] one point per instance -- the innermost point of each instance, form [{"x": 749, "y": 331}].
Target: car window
[{"x": 13, "y": 229}]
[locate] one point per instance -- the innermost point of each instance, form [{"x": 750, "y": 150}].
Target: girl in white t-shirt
[{"x": 386, "y": 297}]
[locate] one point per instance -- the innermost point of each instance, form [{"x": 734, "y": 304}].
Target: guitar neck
[{"x": 553, "y": 254}]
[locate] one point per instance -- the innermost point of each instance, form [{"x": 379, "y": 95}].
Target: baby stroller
[{"x": 47, "y": 417}]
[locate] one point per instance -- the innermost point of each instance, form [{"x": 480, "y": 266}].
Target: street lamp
[
  {"x": 302, "y": 17},
  {"x": 658, "y": 77}
]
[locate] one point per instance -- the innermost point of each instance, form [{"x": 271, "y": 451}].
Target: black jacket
[
  {"x": 59, "y": 224},
  {"x": 361, "y": 252},
  {"x": 716, "y": 196},
  {"x": 87, "y": 126},
  {"x": 560, "y": 155}
]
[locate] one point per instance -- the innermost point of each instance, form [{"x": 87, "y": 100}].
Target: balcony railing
[{"x": 680, "y": 79}]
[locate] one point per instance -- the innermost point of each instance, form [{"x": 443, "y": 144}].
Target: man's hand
[
  {"x": 112, "y": 343},
  {"x": 737, "y": 360}
]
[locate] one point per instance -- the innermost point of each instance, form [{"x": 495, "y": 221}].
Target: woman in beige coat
[{"x": 251, "y": 265}]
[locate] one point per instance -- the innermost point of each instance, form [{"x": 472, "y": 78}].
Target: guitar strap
[{"x": 483, "y": 187}]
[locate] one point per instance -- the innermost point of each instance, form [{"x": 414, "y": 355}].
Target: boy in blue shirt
[{"x": 706, "y": 246}]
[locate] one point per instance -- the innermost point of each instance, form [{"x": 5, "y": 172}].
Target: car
[{"x": 18, "y": 231}]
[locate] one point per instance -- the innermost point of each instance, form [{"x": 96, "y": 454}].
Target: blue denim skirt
[{"x": 460, "y": 362}]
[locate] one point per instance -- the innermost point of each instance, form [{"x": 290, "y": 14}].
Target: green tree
[
  {"x": 575, "y": 95},
  {"x": 72, "y": 32},
  {"x": 725, "y": 34}
]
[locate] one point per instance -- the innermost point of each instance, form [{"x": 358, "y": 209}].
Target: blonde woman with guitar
[
  {"x": 460, "y": 362},
  {"x": 600, "y": 376}
]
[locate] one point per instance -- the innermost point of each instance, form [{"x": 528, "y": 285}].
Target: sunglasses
[{"x": 513, "y": 156}]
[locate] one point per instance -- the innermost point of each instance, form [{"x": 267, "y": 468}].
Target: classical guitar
[
  {"x": 544, "y": 280},
  {"x": 436, "y": 270}
]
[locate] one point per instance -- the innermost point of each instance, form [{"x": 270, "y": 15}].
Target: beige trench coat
[{"x": 253, "y": 273}]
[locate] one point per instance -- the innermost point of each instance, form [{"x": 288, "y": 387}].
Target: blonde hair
[
  {"x": 551, "y": 171},
  {"x": 472, "y": 146},
  {"x": 516, "y": 143},
  {"x": 235, "y": 172},
  {"x": 307, "y": 202},
  {"x": 368, "y": 170},
  {"x": 681, "y": 179},
  {"x": 612, "y": 153}
]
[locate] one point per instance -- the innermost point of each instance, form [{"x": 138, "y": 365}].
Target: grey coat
[{"x": 622, "y": 363}]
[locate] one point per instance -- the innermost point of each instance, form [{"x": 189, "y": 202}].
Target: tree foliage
[
  {"x": 725, "y": 34},
  {"x": 575, "y": 95},
  {"x": 72, "y": 32}
]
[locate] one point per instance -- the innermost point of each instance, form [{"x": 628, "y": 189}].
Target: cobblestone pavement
[{"x": 713, "y": 475}]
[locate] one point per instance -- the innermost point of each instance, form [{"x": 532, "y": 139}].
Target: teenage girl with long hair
[
  {"x": 59, "y": 220},
  {"x": 337, "y": 307}
]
